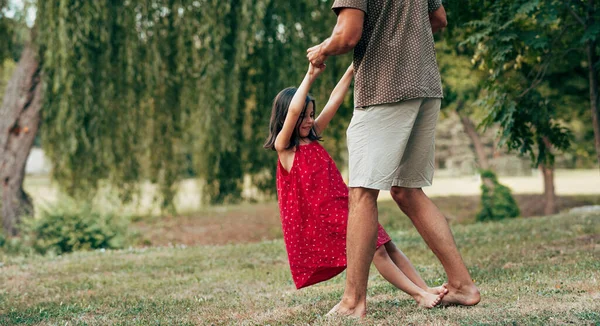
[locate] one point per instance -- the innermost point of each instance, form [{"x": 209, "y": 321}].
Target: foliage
[
  {"x": 531, "y": 50},
  {"x": 151, "y": 90},
  {"x": 15, "y": 247},
  {"x": 14, "y": 32},
  {"x": 6, "y": 32},
  {"x": 497, "y": 202},
  {"x": 67, "y": 227},
  {"x": 160, "y": 90}
]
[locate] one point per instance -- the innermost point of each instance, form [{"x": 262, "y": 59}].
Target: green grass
[{"x": 530, "y": 271}]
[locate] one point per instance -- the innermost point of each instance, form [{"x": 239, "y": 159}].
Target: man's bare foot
[
  {"x": 462, "y": 296},
  {"x": 428, "y": 300},
  {"x": 438, "y": 289},
  {"x": 344, "y": 309}
]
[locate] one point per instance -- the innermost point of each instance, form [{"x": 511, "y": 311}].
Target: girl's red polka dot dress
[{"x": 313, "y": 205}]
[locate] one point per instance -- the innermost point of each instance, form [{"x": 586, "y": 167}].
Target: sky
[{"x": 18, "y": 5}]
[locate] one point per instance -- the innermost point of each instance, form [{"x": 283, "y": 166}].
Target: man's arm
[
  {"x": 437, "y": 18},
  {"x": 346, "y": 34}
]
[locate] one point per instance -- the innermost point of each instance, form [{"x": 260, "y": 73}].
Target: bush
[
  {"x": 497, "y": 202},
  {"x": 66, "y": 228},
  {"x": 15, "y": 246}
]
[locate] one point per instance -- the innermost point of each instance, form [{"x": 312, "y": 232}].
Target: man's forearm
[
  {"x": 346, "y": 34},
  {"x": 336, "y": 45}
]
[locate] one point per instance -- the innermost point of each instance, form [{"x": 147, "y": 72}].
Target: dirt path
[{"x": 567, "y": 182}]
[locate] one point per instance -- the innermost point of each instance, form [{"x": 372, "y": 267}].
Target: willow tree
[
  {"x": 120, "y": 82},
  {"x": 277, "y": 59},
  {"x": 263, "y": 51},
  {"x": 135, "y": 90}
]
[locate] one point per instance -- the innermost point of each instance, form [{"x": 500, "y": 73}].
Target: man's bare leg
[
  {"x": 434, "y": 229},
  {"x": 361, "y": 240}
]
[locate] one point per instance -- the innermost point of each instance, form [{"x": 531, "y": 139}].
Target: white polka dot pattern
[
  {"x": 313, "y": 206},
  {"x": 395, "y": 58}
]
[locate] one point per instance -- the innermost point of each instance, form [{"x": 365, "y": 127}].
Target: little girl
[{"x": 313, "y": 198}]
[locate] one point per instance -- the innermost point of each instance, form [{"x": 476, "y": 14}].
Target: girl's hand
[
  {"x": 314, "y": 71},
  {"x": 351, "y": 68}
]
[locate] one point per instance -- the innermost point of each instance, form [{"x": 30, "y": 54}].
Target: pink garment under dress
[{"x": 313, "y": 205}]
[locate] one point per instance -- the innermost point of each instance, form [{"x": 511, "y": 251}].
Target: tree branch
[
  {"x": 548, "y": 59},
  {"x": 537, "y": 80},
  {"x": 577, "y": 17}
]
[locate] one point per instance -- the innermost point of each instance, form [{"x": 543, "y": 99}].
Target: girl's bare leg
[
  {"x": 388, "y": 269},
  {"x": 409, "y": 270}
]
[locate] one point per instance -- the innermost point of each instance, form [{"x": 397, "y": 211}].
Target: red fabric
[{"x": 313, "y": 205}]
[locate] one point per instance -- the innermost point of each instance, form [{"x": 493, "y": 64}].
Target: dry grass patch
[
  {"x": 530, "y": 271},
  {"x": 249, "y": 223}
]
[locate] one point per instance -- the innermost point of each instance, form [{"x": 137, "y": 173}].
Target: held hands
[
  {"x": 315, "y": 55},
  {"x": 314, "y": 71}
]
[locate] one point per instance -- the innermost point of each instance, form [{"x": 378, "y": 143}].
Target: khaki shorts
[{"x": 392, "y": 145}]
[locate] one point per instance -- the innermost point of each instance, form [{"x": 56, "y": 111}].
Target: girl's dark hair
[{"x": 281, "y": 105}]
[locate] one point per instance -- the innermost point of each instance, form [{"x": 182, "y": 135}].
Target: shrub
[
  {"x": 497, "y": 202},
  {"x": 67, "y": 227}
]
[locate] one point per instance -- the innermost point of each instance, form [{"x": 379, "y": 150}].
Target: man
[{"x": 391, "y": 136}]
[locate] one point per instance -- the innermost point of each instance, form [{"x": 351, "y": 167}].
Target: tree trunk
[
  {"x": 593, "y": 77},
  {"x": 549, "y": 192},
  {"x": 548, "y": 173},
  {"x": 592, "y": 58},
  {"x": 19, "y": 122},
  {"x": 471, "y": 131}
]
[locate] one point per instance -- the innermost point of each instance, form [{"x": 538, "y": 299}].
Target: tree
[
  {"x": 460, "y": 93},
  {"x": 526, "y": 45},
  {"x": 277, "y": 60},
  {"x": 135, "y": 90},
  {"x": 540, "y": 38},
  {"x": 19, "y": 121}
]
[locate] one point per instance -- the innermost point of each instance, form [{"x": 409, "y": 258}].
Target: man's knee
[
  {"x": 363, "y": 194},
  {"x": 404, "y": 195}
]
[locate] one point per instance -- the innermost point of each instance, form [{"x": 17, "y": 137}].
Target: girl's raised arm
[
  {"x": 335, "y": 100},
  {"x": 296, "y": 107}
]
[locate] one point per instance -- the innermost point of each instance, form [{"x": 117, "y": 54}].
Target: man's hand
[
  {"x": 438, "y": 20},
  {"x": 345, "y": 36},
  {"x": 315, "y": 55}
]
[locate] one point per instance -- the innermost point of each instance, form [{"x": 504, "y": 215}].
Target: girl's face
[{"x": 308, "y": 119}]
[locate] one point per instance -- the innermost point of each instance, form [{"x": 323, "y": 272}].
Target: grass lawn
[{"x": 530, "y": 271}]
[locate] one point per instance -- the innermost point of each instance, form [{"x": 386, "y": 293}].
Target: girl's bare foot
[
  {"x": 428, "y": 300},
  {"x": 438, "y": 289}
]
